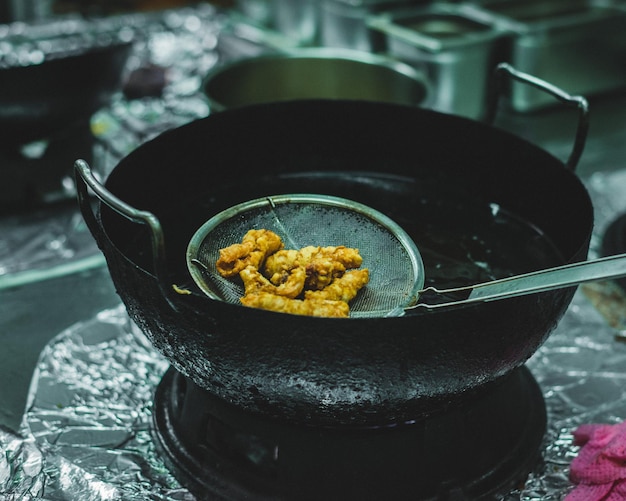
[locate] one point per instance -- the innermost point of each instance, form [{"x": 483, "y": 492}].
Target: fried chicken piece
[
  {"x": 254, "y": 282},
  {"x": 321, "y": 271},
  {"x": 344, "y": 288},
  {"x": 254, "y": 248},
  {"x": 278, "y": 265},
  {"x": 323, "y": 264},
  {"x": 348, "y": 257},
  {"x": 310, "y": 307}
]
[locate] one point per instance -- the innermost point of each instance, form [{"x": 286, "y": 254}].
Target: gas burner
[
  {"x": 39, "y": 172},
  {"x": 471, "y": 451}
]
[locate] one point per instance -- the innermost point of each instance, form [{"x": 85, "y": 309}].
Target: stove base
[{"x": 218, "y": 451}]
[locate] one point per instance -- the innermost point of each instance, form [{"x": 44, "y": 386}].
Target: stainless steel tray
[
  {"x": 456, "y": 45},
  {"x": 577, "y": 45}
]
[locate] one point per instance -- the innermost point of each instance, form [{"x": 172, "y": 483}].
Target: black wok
[{"x": 437, "y": 175}]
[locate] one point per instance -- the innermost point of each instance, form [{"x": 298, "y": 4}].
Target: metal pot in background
[
  {"x": 54, "y": 75},
  {"x": 315, "y": 73}
]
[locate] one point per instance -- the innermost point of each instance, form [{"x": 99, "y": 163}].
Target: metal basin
[
  {"x": 315, "y": 73},
  {"x": 578, "y": 45},
  {"x": 456, "y": 46}
]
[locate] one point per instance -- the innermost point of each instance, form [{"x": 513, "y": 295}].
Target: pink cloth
[{"x": 599, "y": 470}]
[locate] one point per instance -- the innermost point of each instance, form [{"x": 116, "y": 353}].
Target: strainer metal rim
[{"x": 309, "y": 198}]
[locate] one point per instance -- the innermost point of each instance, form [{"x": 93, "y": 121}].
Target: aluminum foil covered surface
[
  {"x": 43, "y": 244},
  {"x": 21, "y": 467},
  {"x": 87, "y": 426}
]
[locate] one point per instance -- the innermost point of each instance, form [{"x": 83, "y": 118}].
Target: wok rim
[{"x": 425, "y": 113}]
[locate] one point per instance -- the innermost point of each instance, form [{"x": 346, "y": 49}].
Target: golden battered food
[
  {"x": 254, "y": 282},
  {"x": 320, "y": 272},
  {"x": 310, "y": 307},
  {"x": 309, "y": 281},
  {"x": 344, "y": 288},
  {"x": 255, "y": 246},
  {"x": 278, "y": 265},
  {"x": 323, "y": 264},
  {"x": 350, "y": 258}
]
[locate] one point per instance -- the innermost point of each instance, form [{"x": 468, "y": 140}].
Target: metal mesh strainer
[{"x": 394, "y": 262}]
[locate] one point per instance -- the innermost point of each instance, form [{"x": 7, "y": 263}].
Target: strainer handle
[
  {"x": 85, "y": 179},
  {"x": 569, "y": 275},
  {"x": 506, "y": 70}
]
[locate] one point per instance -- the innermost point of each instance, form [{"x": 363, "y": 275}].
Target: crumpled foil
[
  {"x": 21, "y": 467},
  {"x": 25, "y": 44},
  {"x": 87, "y": 425},
  {"x": 43, "y": 243}
]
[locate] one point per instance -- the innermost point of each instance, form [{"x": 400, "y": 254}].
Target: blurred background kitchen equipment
[
  {"x": 24, "y": 10},
  {"x": 55, "y": 75},
  {"x": 578, "y": 45},
  {"x": 452, "y": 44},
  {"x": 343, "y": 23}
]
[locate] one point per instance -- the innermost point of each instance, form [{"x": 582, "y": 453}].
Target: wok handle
[
  {"x": 505, "y": 69},
  {"x": 569, "y": 275},
  {"x": 85, "y": 179}
]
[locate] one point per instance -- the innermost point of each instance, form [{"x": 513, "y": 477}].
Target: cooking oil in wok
[{"x": 466, "y": 246}]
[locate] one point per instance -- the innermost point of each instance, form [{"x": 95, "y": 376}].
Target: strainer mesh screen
[{"x": 393, "y": 262}]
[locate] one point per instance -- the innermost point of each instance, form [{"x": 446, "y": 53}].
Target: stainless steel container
[
  {"x": 296, "y": 19},
  {"x": 578, "y": 45},
  {"x": 343, "y": 23},
  {"x": 258, "y": 11},
  {"x": 456, "y": 46},
  {"x": 24, "y": 10},
  {"x": 315, "y": 73}
]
